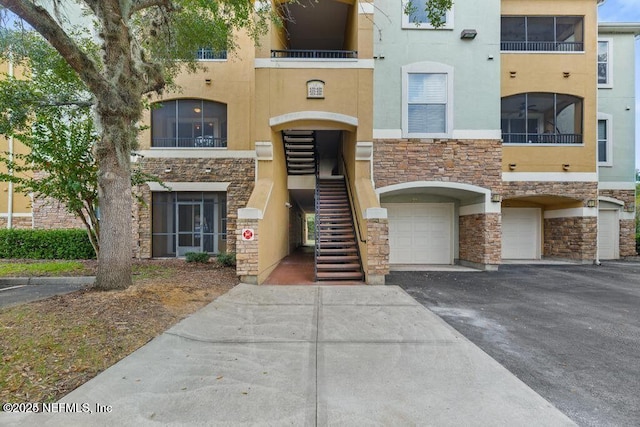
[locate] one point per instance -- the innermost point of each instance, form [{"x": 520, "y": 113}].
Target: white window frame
[
  {"x": 609, "y": 83},
  {"x": 427, "y": 67},
  {"x": 409, "y": 25},
  {"x": 608, "y": 118}
]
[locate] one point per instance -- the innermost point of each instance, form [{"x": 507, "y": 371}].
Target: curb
[{"x": 77, "y": 280}]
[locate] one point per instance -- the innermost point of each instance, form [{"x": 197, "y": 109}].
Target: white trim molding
[
  {"x": 427, "y": 67},
  {"x": 550, "y": 176},
  {"x": 364, "y": 150},
  {"x": 608, "y": 119},
  {"x": 612, "y": 185},
  {"x": 16, "y": 215},
  {"x": 480, "y": 208},
  {"x": 196, "y": 153},
  {"x": 250, "y": 213},
  {"x": 323, "y": 64},
  {"x": 571, "y": 213},
  {"x": 264, "y": 150},
  {"x": 313, "y": 115},
  {"x": 486, "y": 207},
  {"x": 375, "y": 213},
  {"x": 188, "y": 186},
  {"x": 611, "y": 200}
]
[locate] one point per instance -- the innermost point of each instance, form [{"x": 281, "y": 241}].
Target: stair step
[
  {"x": 339, "y": 275},
  {"x": 335, "y": 251},
  {"x": 338, "y": 267},
  {"x": 333, "y": 259},
  {"x": 337, "y": 245}
]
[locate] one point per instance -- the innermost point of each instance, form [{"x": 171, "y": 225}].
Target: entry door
[
  {"x": 420, "y": 233},
  {"x": 521, "y": 233},
  {"x": 608, "y": 234},
  {"x": 189, "y": 228}
]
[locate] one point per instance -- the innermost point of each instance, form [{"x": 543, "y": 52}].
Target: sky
[{"x": 626, "y": 11}]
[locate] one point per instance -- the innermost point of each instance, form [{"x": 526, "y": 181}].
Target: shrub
[
  {"x": 46, "y": 244},
  {"x": 228, "y": 259},
  {"x": 202, "y": 257}
]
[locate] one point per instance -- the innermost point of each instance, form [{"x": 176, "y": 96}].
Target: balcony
[
  {"x": 314, "y": 54},
  {"x": 197, "y": 142},
  {"x": 541, "y": 138},
  {"x": 542, "y": 46}
]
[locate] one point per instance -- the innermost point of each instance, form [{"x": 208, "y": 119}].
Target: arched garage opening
[{"x": 441, "y": 223}]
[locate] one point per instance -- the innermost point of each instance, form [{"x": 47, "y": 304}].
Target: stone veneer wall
[
  {"x": 247, "y": 252},
  {"x": 476, "y": 162},
  {"x": 480, "y": 239},
  {"x": 570, "y": 238},
  {"x": 627, "y": 226},
  {"x": 377, "y": 251},
  {"x": 17, "y": 222},
  {"x": 51, "y": 214},
  {"x": 575, "y": 190},
  {"x": 239, "y": 172}
]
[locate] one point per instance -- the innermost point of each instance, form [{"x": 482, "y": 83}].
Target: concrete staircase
[{"x": 337, "y": 257}]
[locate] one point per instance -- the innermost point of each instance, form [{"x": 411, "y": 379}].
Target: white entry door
[
  {"x": 521, "y": 233},
  {"x": 420, "y": 233},
  {"x": 608, "y": 234}
]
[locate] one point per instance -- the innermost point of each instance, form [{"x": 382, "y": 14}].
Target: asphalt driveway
[{"x": 570, "y": 332}]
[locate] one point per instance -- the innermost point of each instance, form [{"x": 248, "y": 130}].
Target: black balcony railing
[
  {"x": 314, "y": 54},
  {"x": 542, "y": 46},
  {"x": 197, "y": 142},
  {"x": 541, "y": 138}
]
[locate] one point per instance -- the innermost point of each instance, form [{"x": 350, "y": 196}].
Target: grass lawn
[{"x": 50, "y": 347}]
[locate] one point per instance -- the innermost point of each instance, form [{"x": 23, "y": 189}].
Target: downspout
[{"x": 10, "y": 189}]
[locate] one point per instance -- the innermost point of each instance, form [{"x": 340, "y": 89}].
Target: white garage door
[
  {"x": 608, "y": 234},
  {"x": 420, "y": 233},
  {"x": 521, "y": 233}
]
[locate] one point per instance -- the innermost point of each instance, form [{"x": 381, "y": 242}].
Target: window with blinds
[{"x": 427, "y": 103}]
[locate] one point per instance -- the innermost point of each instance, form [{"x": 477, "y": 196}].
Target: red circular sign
[{"x": 247, "y": 234}]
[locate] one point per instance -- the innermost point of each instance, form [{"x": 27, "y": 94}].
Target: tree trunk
[{"x": 114, "y": 193}]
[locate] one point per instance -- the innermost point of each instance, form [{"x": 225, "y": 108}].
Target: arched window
[
  {"x": 189, "y": 123},
  {"x": 541, "y": 118}
]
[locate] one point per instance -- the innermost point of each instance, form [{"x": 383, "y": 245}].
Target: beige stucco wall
[
  {"x": 273, "y": 243},
  {"x": 232, "y": 83},
  {"x": 544, "y": 72}
]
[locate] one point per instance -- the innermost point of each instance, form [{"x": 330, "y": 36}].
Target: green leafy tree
[{"x": 141, "y": 45}]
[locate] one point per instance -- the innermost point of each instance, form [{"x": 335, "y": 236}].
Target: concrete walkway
[{"x": 307, "y": 356}]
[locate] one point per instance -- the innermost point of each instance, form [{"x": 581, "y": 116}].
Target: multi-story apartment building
[
  {"x": 548, "y": 121},
  {"x": 470, "y": 143},
  {"x": 616, "y": 139}
]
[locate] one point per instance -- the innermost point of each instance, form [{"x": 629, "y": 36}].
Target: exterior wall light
[
  {"x": 566, "y": 74},
  {"x": 468, "y": 34},
  {"x": 566, "y": 166},
  {"x": 496, "y": 198},
  {"x": 512, "y": 74},
  {"x": 207, "y": 81},
  {"x": 207, "y": 170},
  {"x": 591, "y": 203},
  {"x": 167, "y": 170},
  {"x": 512, "y": 166}
]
